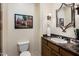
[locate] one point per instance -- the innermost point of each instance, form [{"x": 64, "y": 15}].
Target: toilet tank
[{"x": 23, "y": 46}]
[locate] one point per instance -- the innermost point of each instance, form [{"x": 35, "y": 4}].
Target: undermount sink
[{"x": 58, "y": 40}]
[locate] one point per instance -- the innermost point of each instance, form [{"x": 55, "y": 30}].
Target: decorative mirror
[{"x": 65, "y": 16}]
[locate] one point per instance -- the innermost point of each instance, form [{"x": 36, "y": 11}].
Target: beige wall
[
  {"x": 4, "y": 28},
  {"x": 45, "y": 9},
  {"x": 11, "y": 35}
]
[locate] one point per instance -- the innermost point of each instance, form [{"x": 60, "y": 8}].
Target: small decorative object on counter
[
  {"x": 48, "y": 24},
  {"x": 48, "y": 31}
]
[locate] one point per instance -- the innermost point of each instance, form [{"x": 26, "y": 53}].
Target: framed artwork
[{"x": 23, "y": 21}]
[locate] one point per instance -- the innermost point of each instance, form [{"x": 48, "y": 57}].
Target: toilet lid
[{"x": 25, "y": 53}]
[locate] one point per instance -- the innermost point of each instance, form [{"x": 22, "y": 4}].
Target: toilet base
[{"x": 25, "y": 53}]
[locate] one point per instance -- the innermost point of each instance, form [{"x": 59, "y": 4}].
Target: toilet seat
[{"x": 25, "y": 53}]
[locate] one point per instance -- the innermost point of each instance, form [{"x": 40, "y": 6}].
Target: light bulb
[{"x": 49, "y": 14}]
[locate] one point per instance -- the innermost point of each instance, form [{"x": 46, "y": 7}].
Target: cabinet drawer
[
  {"x": 54, "y": 47},
  {"x": 53, "y": 53},
  {"x": 44, "y": 41},
  {"x": 46, "y": 51},
  {"x": 65, "y": 53}
]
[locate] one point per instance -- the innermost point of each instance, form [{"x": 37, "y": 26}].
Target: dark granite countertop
[{"x": 68, "y": 46}]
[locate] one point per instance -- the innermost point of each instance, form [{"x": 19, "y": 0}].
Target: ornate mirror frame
[{"x": 72, "y": 23}]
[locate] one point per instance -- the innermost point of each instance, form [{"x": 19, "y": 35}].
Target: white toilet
[{"x": 23, "y": 48}]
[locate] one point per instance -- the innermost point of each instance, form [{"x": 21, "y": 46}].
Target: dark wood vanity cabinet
[
  {"x": 48, "y": 49},
  {"x": 54, "y": 49},
  {"x": 51, "y": 49},
  {"x": 65, "y": 53}
]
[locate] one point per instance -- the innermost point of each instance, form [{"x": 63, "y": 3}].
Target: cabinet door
[
  {"x": 54, "y": 47},
  {"x": 65, "y": 53},
  {"x": 54, "y": 53},
  {"x": 46, "y": 51}
]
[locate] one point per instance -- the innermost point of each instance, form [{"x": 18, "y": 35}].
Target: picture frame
[{"x": 23, "y": 21}]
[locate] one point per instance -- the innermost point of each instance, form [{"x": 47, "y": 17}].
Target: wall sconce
[
  {"x": 76, "y": 7},
  {"x": 49, "y": 16},
  {"x": 77, "y": 10}
]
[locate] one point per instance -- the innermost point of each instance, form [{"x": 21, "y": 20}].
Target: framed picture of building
[{"x": 23, "y": 21}]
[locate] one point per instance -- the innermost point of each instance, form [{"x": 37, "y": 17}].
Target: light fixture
[
  {"x": 49, "y": 16},
  {"x": 77, "y": 10},
  {"x": 77, "y": 7}
]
